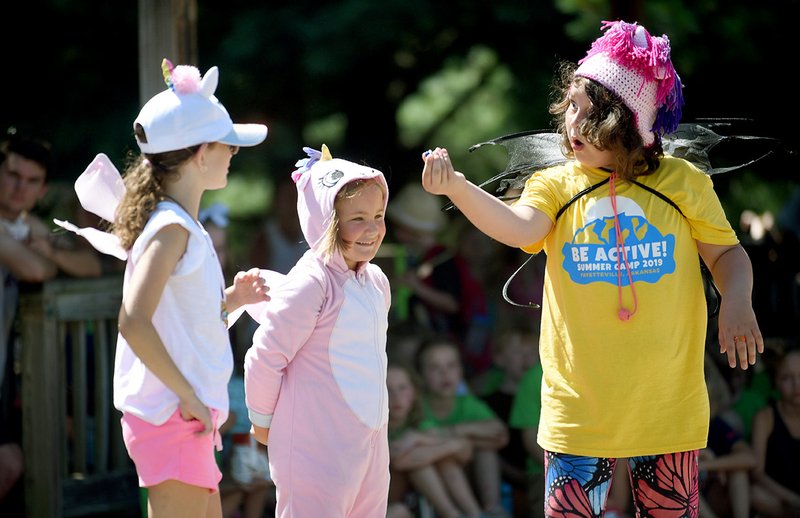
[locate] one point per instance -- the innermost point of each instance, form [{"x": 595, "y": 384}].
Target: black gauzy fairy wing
[
  {"x": 530, "y": 151},
  {"x": 694, "y": 141}
]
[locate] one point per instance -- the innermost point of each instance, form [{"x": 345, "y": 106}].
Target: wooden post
[
  {"x": 43, "y": 408},
  {"x": 167, "y": 29}
]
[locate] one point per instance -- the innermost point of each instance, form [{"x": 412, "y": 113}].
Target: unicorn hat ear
[{"x": 209, "y": 83}]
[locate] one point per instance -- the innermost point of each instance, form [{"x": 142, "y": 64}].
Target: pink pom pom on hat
[{"x": 637, "y": 68}]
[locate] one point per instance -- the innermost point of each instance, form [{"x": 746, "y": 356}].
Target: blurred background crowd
[{"x": 379, "y": 82}]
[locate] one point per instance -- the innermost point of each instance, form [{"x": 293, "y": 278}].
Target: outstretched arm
[
  {"x": 733, "y": 274},
  {"x": 515, "y": 226}
]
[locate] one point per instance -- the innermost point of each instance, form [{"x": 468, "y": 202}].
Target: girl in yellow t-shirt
[{"x": 623, "y": 313}]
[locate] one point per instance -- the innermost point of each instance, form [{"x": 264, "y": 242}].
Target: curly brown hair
[
  {"x": 610, "y": 125},
  {"x": 144, "y": 181}
]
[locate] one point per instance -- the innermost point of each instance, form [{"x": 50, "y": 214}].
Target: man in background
[{"x": 29, "y": 253}]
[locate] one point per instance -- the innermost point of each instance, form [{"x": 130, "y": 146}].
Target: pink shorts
[{"x": 172, "y": 451}]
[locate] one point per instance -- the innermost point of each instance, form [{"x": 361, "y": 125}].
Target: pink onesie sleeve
[{"x": 286, "y": 325}]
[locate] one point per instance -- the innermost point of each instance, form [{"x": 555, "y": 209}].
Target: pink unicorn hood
[{"x": 318, "y": 179}]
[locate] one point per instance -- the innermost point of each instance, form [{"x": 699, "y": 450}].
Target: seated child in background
[
  {"x": 524, "y": 416},
  {"x": 513, "y": 354},
  {"x": 246, "y": 482},
  {"x": 426, "y": 462},
  {"x": 752, "y": 389},
  {"x": 776, "y": 440},
  {"x": 725, "y": 463},
  {"x": 462, "y": 415}
]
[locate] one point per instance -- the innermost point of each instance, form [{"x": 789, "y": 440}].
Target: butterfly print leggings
[{"x": 662, "y": 485}]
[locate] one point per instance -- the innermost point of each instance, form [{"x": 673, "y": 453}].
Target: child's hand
[
  {"x": 739, "y": 334},
  {"x": 194, "y": 409},
  {"x": 462, "y": 449},
  {"x": 260, "y": 434},
  {"x": 438, "y": 175},
  {"x": 248, "y": 288}
]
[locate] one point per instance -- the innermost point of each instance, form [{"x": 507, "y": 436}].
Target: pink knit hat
[{"x": 637, "y": 68}]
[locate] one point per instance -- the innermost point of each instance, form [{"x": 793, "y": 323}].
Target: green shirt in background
[
  {"x": 467, "y": 408},
  {"x": 527, "y": 406}
]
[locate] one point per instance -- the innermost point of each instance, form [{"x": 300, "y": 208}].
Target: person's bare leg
[
  {"x": 214, "y": 506},
  {"x": 764, "y": 502},
  {"x": 428, "y": 483},
  {"x": 230, "y": 498},
  {"x": 739, "y": 491},
  {"x": 486, "y": 470},
  {"x": 255, "y": 500},
  {"x": 173, "y": 499},
  {"x": 398, "y": 510},
  {"x": 457, "y": 483}
]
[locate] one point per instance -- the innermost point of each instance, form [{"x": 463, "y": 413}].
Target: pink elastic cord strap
[{"x": 624, "y": 313}]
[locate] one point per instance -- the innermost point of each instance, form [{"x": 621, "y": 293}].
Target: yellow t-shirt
[{"x": 612, "y": 388}]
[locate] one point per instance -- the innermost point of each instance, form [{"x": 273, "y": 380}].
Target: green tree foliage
[{"x": 382, "y": 81}]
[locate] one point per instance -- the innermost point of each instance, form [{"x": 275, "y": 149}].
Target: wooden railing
[{"x": 75, "y": 460}]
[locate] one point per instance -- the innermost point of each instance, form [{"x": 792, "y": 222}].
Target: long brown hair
[
  {"x": 610, "y": 125},
  {"x": 144, "y": 187},
  {"x": 415, "y": 413}
]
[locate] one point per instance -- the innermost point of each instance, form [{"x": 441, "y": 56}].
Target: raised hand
[
  {"x": 248, "y": 288},
  {"x": 438, "y": 175}
]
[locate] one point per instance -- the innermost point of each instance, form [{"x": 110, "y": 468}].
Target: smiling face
[
  {"x": 361, "y": 224},
  {"x": 579, "y": 108}
]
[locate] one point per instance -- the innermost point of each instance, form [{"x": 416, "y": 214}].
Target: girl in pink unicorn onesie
[{"x": 315, "y": 377}]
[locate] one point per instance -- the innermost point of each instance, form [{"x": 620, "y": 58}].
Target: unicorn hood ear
[{"x": 318, "y": 179}]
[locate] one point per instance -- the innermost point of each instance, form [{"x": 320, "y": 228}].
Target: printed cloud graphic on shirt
[{"x": 591, "y": 256}]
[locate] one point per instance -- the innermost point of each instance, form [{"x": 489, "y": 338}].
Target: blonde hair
[
  {"x": 332, "y": 242},
  {"x": 144, "y": 187}
]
